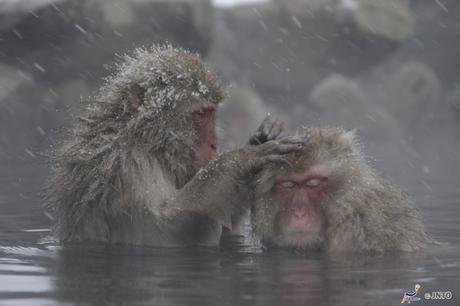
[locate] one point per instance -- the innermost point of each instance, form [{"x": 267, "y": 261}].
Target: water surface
[{"x": 36, "y": 272}]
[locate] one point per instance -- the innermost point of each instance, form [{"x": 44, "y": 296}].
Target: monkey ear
[
  {"x": 348, "y": 138},
  {"x": 135, "y": 97},
  {"x": 135, "y": 101}
]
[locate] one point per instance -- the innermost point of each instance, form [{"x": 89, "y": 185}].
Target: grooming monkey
[
  {"x": 142, "y": 167},
  {"x": 330, "y": 198}
]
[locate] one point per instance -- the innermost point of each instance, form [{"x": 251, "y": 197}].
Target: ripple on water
[
  {"x": 25, "y": 283},
  {"x": 30, "y": 301},
  {"x": 24, "y": 278}
]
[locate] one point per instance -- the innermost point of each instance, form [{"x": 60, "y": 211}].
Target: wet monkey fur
[
  {"x": 141, "y": 165},
  {"x": 329, "y": 198}
]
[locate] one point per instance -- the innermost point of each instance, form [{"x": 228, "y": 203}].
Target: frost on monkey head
[
  {"x": 164, "y": 75},
  {"x": 149, "y": 95}
]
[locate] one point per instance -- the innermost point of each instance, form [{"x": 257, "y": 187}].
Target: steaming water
[{"x": 33, "y": 272}]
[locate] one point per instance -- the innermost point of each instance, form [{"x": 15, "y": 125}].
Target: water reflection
[
  {"x": 34, "y": 271},
  {"x": 119, "y": 275}
]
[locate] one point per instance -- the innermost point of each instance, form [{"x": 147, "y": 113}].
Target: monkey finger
[
  {"x": 294, "y": 140},
  {"x": 263, "y": 124},
  {"x": 281, "y": 135},
  {"x": 267, "y": 127},
  {"x": 263, "y": 161},
  {"x": 260, "y": 136},
  {"x": 269, "y": 123},
  {"x": 271, "y": 127},
  {"x": 266, "y": 120},
  {"x": 256, "y": 138},
  {"x": 276, "y": 131},
  {"x": 286, "y": 148}
]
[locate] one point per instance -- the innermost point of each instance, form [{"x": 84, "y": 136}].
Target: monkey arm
[
  {"x": 220, "y": 190},
  {"x": 217, "y": 191},
  {"x": 197, "y": 212}
]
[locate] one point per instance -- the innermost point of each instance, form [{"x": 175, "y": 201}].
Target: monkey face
[
  {"x": 300, "y": 217},
  {"x": 294, "y": 203},
  {"x": 203, "y": 117},
  {"x": 327, "y": 197}
]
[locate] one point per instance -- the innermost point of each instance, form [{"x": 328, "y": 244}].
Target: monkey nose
[{"x": 299, "y": 212}]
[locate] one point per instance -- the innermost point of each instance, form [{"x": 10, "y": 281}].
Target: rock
[
  {"x": 340, "y": 100},
  {"x": 286, "y": 47},
  {"x": 408, "y": 90},
  {"x": 389, "y": 19},
  {"x": 343, "y": 101},
  {"x": 453, "y": 97}
]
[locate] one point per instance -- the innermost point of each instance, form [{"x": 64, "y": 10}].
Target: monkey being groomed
[
  {"x": 141, "y": 166},
  {"x": 329, "y": 198}
]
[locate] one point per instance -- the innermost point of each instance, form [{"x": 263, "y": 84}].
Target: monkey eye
[
  {"x": 200, "y": 112},
  {"x": 204, "y": 111},
  {"x": 287, "y": 184},
  {"x": 314, "y": 182}
]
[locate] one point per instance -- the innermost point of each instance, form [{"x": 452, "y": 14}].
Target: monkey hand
[
  {"x": 273, "y": 151},
  {"x": 268, "y": 130}
]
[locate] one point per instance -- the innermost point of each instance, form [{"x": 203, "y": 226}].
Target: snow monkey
[
  {"x": 329, "y": 198},
  {"x": 141, "y": 166}
]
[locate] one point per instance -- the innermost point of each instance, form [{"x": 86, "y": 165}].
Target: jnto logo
[{"x": 411, "y": 296}]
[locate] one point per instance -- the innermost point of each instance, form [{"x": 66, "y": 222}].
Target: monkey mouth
[
  {"x": 299, "y": 240},
  {"x": 211, "y": 152},
  {"x": 206, "y": 151},
  {"x": 302, "y": 233}
]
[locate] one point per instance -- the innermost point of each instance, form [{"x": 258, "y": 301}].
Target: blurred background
[{"x": 387, "y": 68}]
